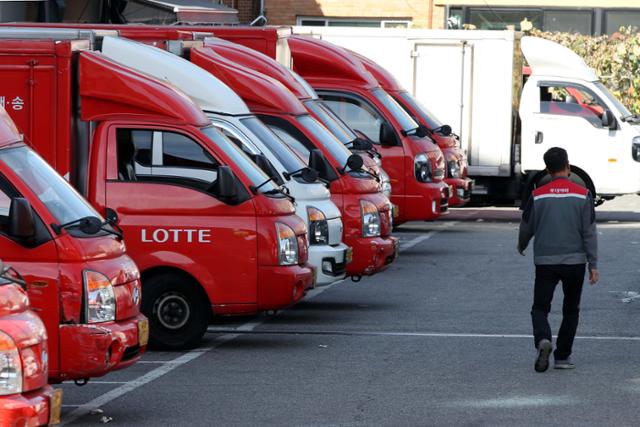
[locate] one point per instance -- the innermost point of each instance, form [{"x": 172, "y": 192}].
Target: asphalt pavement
[{"x": 442, "y": 338}]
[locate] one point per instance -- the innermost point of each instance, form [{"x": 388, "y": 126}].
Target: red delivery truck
[
  {"x": 26, "y": 399},
  {"x": 263, "y": 64},
  {"x": 189, "y": 201},
  {"x": 80, "y": 280},
  {"x": 415, "y": 164},
  {"x": 366, "y": 213},
  {"x": 456, "y": 160}
]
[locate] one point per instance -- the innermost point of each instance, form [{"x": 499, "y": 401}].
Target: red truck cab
[
  {"x": 456, "y": 160},
  {"x": 414, "y": 163},
  {"x": 190, "y": 203},
  {"x": 267, "y": 66},
  {"x": 366, "y": 212},
  {"x": 81, "y": 282},
  {"x": 25, "y": 397}
]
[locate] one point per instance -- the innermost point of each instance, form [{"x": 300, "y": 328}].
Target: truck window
[
  {"x": 169, "y": 157},
  {"x": 291, "y": 136},
  {"x": 572, "y": 100},
  {"x": 357, "y": 114}
]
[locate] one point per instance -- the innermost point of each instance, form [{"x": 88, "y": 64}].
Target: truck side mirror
[
  {"x": 318, "y": 162},
  {"x": 22, "y": 224},
  {"x": 225, "y": 185},
  {"x": 608, "y": 120},
  {"x": 355, "y": 162},
  {"x": 387, "y": 134},
  {"x": 111, "y": 216},
  {"x": 444, "y": 130}
]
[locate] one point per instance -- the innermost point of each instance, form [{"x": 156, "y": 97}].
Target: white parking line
[
  {"x": 168, "y": 366},
  {"x": 416, "y": 240}
]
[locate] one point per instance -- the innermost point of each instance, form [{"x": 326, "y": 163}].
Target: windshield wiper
[
  {"x": 88, "y": 225},
  {"x": 281, "y": 190},
  {"x": 630, "y": 118}
]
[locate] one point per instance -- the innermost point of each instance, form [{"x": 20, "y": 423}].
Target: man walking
[{"x": 561, "y": 216}]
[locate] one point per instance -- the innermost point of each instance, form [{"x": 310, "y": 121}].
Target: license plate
[
  {"x": 55, "y": 405},
  {"x": 143, "y": 332},
  {"x": 396, "y": 211},
  {"x": 348, "y": 256}
]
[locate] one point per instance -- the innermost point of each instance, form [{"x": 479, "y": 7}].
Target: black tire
[{"x": 177, "y": 309}]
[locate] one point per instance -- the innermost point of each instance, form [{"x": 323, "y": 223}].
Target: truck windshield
[
  {"x": 624, "y": 111},
  {"x": 405, "y": 120},
  {"x": 239, "y": 159},
  {"x": 285, "y": 156},
  {"x": 338, "y": 151},
  {"x": 330, "y": 120},
  {"x": 64, "y": 203},
  {"x": 422, "y": 111}
]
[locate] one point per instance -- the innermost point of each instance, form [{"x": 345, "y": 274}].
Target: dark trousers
[{"x": 547, "y": 277}]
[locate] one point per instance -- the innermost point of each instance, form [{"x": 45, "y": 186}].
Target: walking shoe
[
  {"x": 544, "y": 350},
  {"x": 564, "y": 364}
]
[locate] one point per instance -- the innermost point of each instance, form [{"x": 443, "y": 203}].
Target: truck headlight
[
  {"x": 370, "y": 219},
  {"x": 386, "y": 183},
  {"x": 453, "y": 167},
  {"x": 318, "y": 227},
  {"x": 635, "y": 148},
  {"x": 422, "y": 168},
  {"x": 287, "y": 245},
  {"x": 10, "y": 366},
  {"x": 100, "y": 298}
]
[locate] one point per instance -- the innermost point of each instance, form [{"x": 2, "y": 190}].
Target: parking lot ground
[{"x": 442, "y": 338}]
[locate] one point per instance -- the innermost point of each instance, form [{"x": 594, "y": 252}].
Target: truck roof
[
  {"x": 261, "y": 63},
  {"x": 547, "y": 58},
  {"x": 260, "y": 92},
  {"x": 313, "y": 58},
  {"x": 8, "y": 131},
  {"x": 106, "y": 89},
  {"x": 381, "y": 74},
  {"x": 204, "y": 89}
]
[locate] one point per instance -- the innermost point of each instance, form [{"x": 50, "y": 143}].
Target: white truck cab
[
  {"x": 564, "y": 104},
  {"x": 231, "y": 115}
]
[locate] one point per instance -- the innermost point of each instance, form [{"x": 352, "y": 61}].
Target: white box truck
[{"x": 473, "y": 81}]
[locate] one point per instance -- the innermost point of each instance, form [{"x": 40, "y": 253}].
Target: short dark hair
[{"x": 556, "y": 159}]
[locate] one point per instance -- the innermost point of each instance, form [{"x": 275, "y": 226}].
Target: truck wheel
[{"x": 178, "y": 311}]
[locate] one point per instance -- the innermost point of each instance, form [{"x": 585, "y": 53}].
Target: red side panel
[
  {"x": 257, "y": 61},
  {"x": 108, "y": 89},
  {"x": 261, "y": 93},
  {"x": 35, "y": 90},
  {"x": 318, "y": 59}
]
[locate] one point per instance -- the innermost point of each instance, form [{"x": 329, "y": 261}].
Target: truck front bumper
[
  {"x": 282, "y": 286},
  {"x": 372, "y": 255},
  {"x": 35, "y": 408},
  {"x": 428, "y": 202},
  {"x": 461, "y": 190},
  {"x": 330, "y": 262},
  {"x": 93, "y": 350}
]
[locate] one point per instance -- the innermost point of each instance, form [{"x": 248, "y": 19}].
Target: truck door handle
[{"x": 539, "y": 137}]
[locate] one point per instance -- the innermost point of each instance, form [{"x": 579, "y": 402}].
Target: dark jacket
[{"x": 562, "y": 218}]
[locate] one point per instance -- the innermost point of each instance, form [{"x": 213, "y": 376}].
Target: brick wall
[{"x": 285, "y": 12}]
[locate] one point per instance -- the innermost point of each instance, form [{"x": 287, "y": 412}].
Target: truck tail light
[{"x": 10, "y": 366}]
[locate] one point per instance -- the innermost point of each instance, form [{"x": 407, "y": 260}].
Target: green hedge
[{"x": 615, "y": 59}]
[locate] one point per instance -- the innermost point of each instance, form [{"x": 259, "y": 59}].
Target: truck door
[
  {"x": 570, "y": 116},
  {"x": 361, "y": 116},
  {"x": 172, "y": 221},
  {"x": 37, "y": 262}
]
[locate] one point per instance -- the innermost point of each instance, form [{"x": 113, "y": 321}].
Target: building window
[
  {"x": 500, "y": 19},
  {"x": 353, "y": 22},
  {"x": 568, "y": 21},
  {"x": 614, "y": 19}
]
